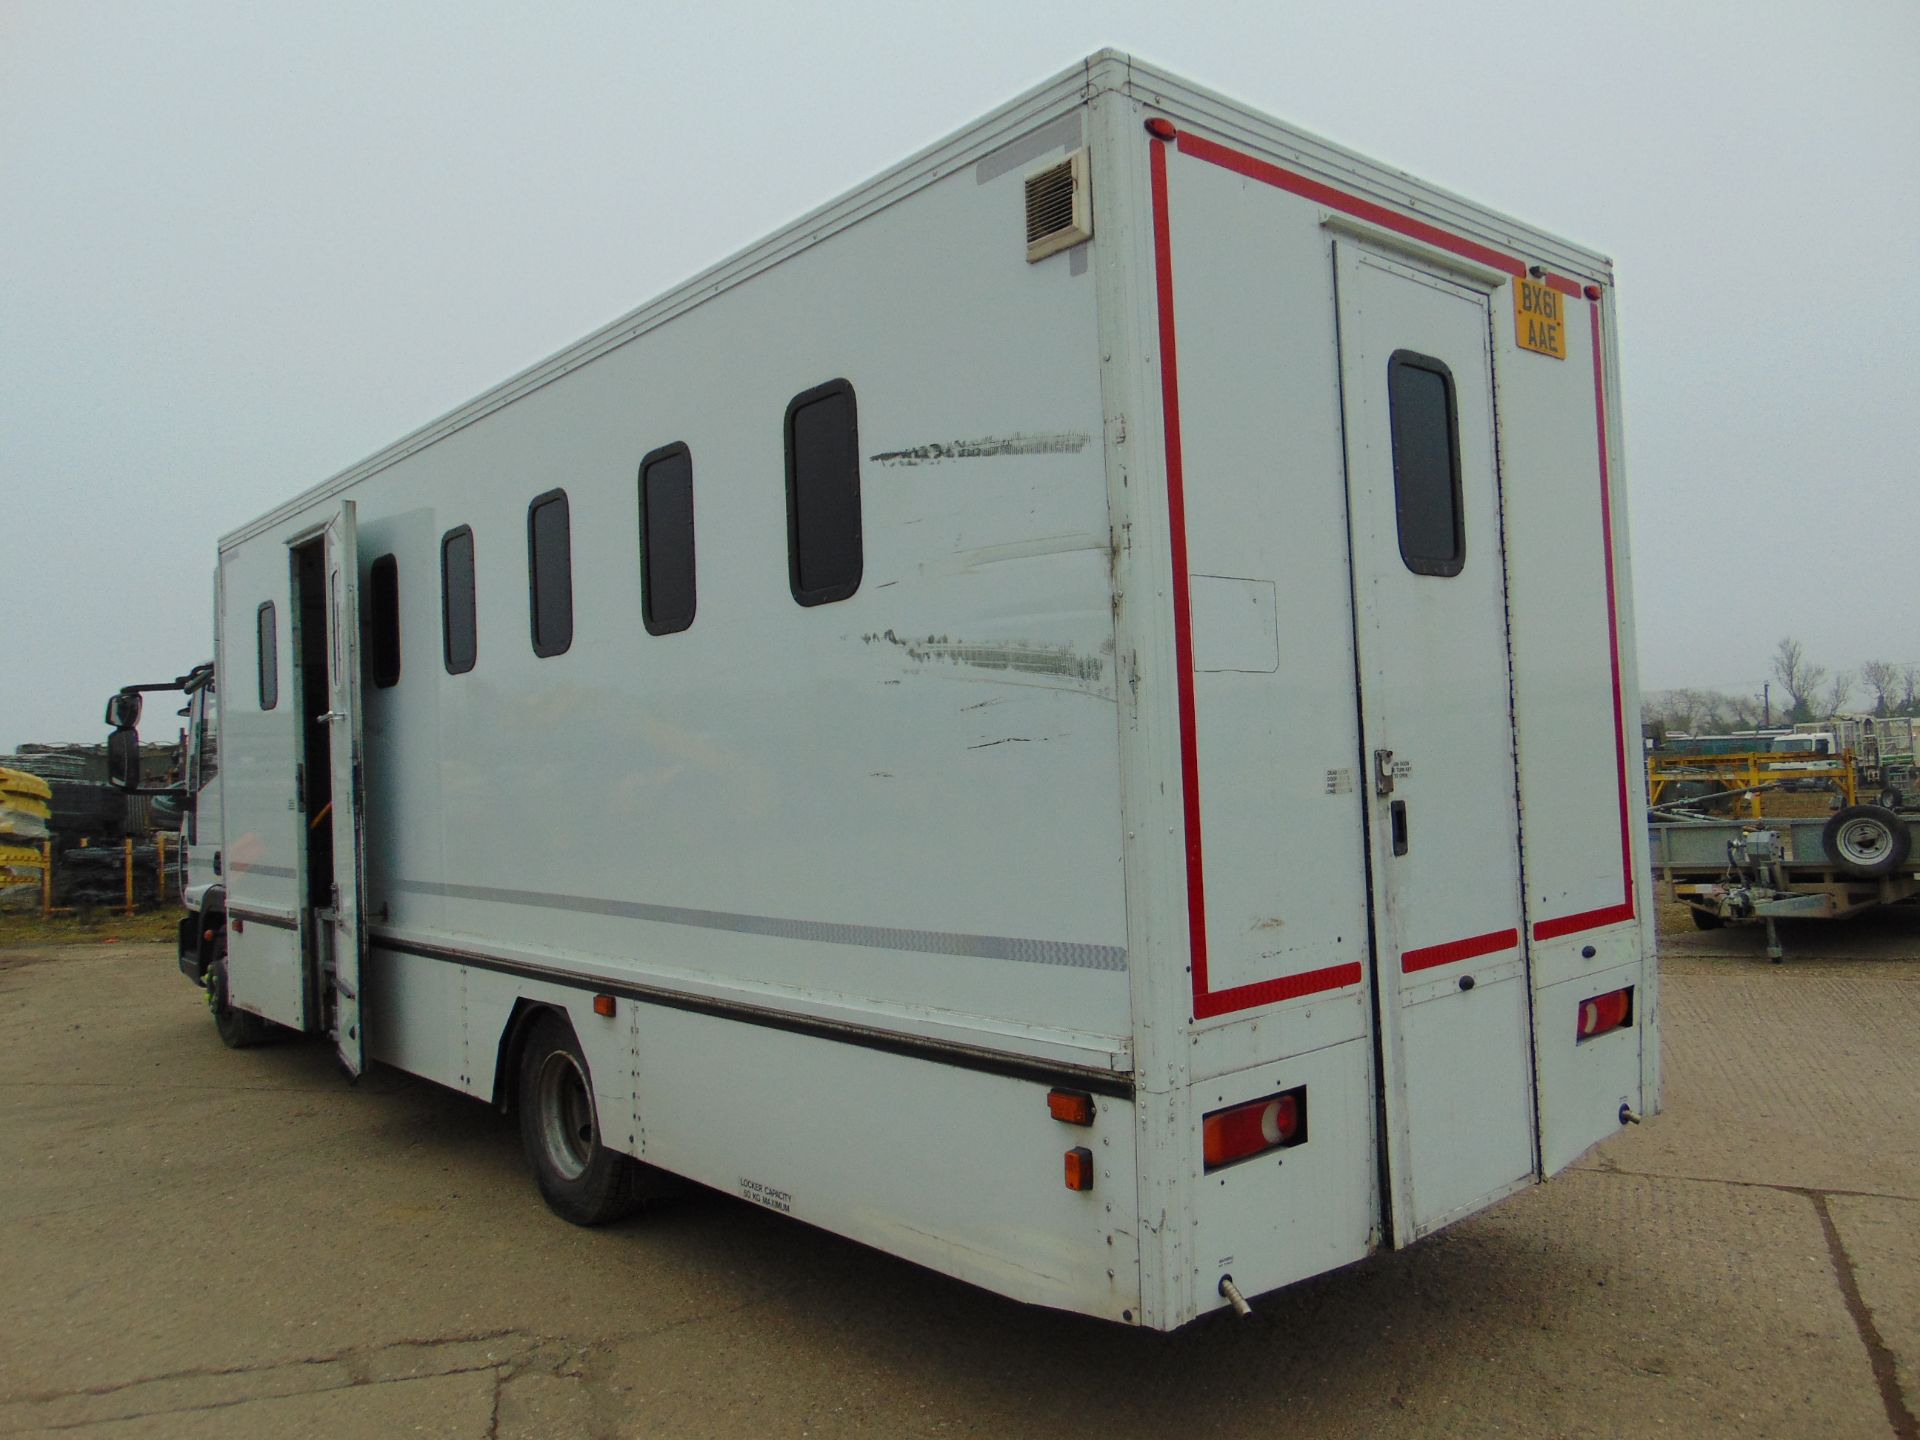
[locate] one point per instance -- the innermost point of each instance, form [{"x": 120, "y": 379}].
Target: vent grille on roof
[{"x": 1058, "y": 213}]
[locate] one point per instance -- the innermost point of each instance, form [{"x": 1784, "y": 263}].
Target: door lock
[{"x": 1383, "y": 773}]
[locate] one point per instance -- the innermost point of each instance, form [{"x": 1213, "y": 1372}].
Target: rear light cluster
[
  {"x": 1241, "y": 1132},
  {"x": 1603, "y": 1013}
]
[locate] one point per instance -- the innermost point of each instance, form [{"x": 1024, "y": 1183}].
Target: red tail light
[
  {"x": 1612, "y": 1011},
  {"x": 1243, "y": 1131}
]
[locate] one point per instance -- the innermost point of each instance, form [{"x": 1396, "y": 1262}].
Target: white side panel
[
  {"x": 958, "y": 1170},
  {"x": 906, "y": 801}
]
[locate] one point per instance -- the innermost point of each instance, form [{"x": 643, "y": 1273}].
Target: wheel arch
[{"x": 513, "y": 1040}]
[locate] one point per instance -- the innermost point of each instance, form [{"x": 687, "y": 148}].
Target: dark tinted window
[
  {"x": 1426, "y": 464},
  {"x": 269, "y": 639},
  {"x": 550, "y": 573},
  {"x": 459, "y": 630},
  {"x": 823, "y": 495},
  {"x": 666, "y": 540},
  {"x": 383, "y": 621}
]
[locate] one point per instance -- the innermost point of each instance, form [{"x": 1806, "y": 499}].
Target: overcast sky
[{"x": 244, "y": 245}]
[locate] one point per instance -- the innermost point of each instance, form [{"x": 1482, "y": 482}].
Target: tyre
[
  {"x": 1866, "y": 840},
  {"x": 581, "y": 1179},
  {"x": 238, "y": 1028},
  {"x": 1890, "y": 798},
  {"x": 1704, "y": 919}
]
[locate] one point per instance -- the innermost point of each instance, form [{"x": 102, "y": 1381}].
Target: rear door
[
  {"x": 349, "y": 941},
  {"x": 1450, "y": 978}
]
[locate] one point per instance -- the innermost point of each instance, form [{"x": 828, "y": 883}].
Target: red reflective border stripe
[
  {"x": 1297, "y": 184},
  {"x": 1182, "y": 610},
  {"x": 1266, "y": 992},
  {"x": 1432, "y": 955}
]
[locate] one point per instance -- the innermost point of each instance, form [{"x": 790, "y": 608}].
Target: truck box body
[{"x": 1216, "y": 689}]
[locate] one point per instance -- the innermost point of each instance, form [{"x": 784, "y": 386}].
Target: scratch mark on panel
[
  {"x": 1007, "y": 740},
  {"x": 986, "y": 448},
  {"x": 1016, "y": 655}
]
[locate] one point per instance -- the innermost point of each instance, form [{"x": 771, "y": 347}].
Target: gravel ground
[{"x": 204, "y": 1243}]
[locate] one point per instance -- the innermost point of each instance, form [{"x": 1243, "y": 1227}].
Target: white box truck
[{"x": 1068, "y": 717}]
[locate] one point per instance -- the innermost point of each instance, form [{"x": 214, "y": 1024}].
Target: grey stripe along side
[
  {"x": 277, "y": 872},
  {"x": 925, "y": 942}
]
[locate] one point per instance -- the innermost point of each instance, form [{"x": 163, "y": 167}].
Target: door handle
[
  {"x": 332, "y": 715},
  {"x": 1397, "y": 814},
  {"x": 1383, "y": 773}
]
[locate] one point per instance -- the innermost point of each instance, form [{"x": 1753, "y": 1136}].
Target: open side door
[{"x": 349, "y": 937}]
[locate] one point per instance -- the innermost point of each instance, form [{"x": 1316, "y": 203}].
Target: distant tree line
[{"x": 1800, "y": 691}]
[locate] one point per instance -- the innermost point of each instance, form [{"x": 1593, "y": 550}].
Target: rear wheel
[
  {"x": 580, "y": 1178},
  {"x": 238, "y": 1028}
]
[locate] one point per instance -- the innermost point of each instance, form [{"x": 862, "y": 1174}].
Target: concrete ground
[{"x": 197, "y": 1242}]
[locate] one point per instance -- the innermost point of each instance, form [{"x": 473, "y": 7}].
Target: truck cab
[{"x": 202, "y": 888}]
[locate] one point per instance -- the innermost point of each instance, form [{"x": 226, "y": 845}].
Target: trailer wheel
[
  {"x": 238, "y": 1028},
  {"x": 1705, "y": 919},
  {"x": 581, "y": 1179},
  {"x": 1866, "y": 840},
  {"x": 1891, "y": 798}
]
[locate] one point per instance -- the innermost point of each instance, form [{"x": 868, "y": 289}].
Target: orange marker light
[
  {"x": 1075, "y": 1107},
  {"x": 603, "y": 1005},
  {"x": 1079, "y": 1168}
]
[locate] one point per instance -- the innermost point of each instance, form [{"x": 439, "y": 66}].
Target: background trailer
[{"x": 1063, "y": 717}]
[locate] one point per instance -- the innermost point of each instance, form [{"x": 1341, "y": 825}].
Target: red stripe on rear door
[{"x": 1432, "y": 955}]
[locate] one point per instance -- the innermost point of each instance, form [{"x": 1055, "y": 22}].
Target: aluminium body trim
[
  {"x": 1116, "y": 1083},
  {"x": 1070, "y": 953}
]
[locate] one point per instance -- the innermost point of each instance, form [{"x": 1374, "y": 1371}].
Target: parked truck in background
[{"x": 1034, "y": 846}]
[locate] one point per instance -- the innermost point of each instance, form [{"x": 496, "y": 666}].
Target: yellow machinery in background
[
  {"x": 1751, "y": 772},
  {"x": 25, "y": 807}
]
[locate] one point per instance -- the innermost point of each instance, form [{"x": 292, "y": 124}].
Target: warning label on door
[{"x": 1539, "y": 320}]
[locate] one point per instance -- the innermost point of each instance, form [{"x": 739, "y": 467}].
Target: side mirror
[
  {"x": 123, "y": 710},
  {"x": 123, "y": 755}
]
